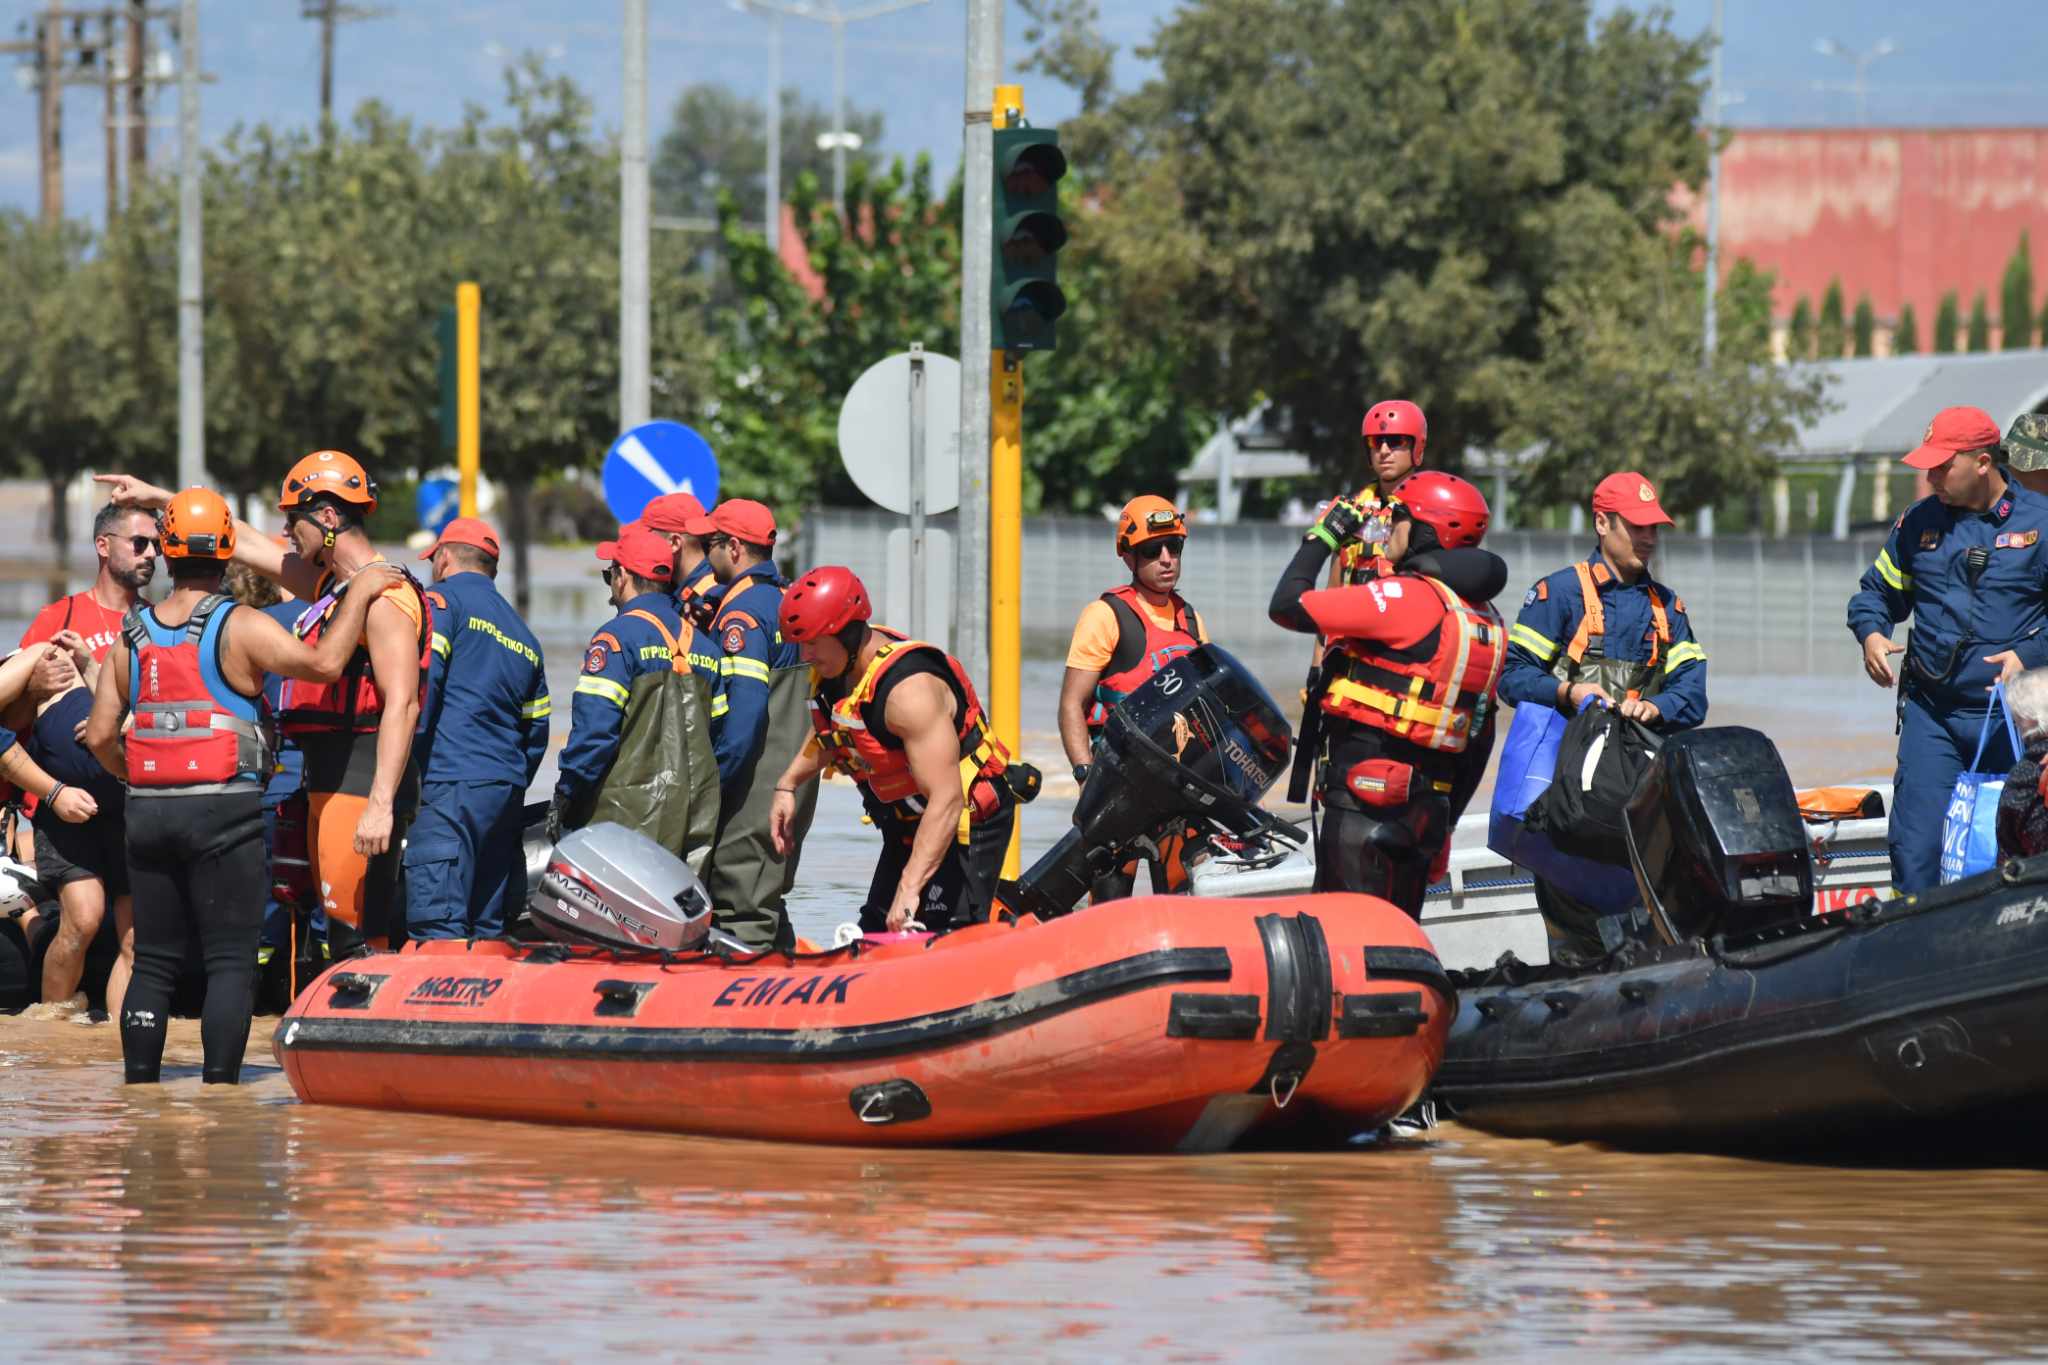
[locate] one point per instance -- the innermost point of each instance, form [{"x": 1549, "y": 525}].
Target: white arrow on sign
[{"x": 647, "y": 467}]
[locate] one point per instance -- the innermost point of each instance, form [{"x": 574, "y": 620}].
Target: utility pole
[
  {"x": 1862, "y": 61},
  {"x": 138, "y": 91},
  {"x": 977, "y": 266},
  {"x": 634, "y": 397},
  {"x": 50, "y": 114},
  {"x": 191, "y": 336},
  {"x": 771, "y": 208},
  {"x": 1711, "y": 332},
  {"x": 329, "y": 14}
]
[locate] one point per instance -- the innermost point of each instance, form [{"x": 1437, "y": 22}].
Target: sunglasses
[
  {"x": 716, "y": 539},
  {"x": 1149, "y": 551},
  {"x": 140, "y": 543},
  {"x": 607, "y": 573}
]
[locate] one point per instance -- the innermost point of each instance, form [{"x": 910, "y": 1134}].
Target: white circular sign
[{"x": 874, "y": 433}]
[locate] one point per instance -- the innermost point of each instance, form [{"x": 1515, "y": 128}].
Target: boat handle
[
  {"x": 1637, "y": 991},
  {"x": 1293, "y": 1083},
  {"x": 867, "y": 1109},
  {"x": 1560, "y": 1002}
]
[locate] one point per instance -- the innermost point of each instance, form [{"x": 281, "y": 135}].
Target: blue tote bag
[
  {"x": 1969, "y": 831},
  {"x": 1528, "y": 763}
]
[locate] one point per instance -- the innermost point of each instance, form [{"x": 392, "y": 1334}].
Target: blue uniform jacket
[
  {"x": 1550, "y": 616},
  {"x": 748, "y": 635},
  {"x": 484, "y": 715},
  {"x": 703, "y": 649},
  {"x": 624, "y": 649},
  {"x": 1923, "y": 571},
  {"x": 285, "y": 778}
]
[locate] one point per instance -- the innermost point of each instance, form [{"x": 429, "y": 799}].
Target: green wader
[
  {"x": 664, "y": 781},
  {"x": 749, "y": 882}
]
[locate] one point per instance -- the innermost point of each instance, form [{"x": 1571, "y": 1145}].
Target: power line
[{"x": 330, "y": 14}]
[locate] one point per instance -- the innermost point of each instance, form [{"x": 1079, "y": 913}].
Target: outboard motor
[
  {"x": 611, "y": 887},
  {"x": 1715, "y": 837},
  {"x": 1200, "y": 740}
]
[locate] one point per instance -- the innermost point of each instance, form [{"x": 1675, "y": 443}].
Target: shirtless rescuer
[
  {"x": 191, "y": 671},
  {"x": 356, "y": 732},
  {"x": 1407, "y": 682},
  {"x": 901, "y": 719}
]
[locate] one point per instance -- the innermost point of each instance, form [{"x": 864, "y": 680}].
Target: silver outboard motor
[{"x": 611, "y": 887}]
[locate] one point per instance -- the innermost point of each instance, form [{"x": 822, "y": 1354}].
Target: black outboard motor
[
  {"x": 1200, "y": 740},
  {"x": 1715, "y": 837}
]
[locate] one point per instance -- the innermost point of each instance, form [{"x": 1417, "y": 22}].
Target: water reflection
[{"x": 182, "y": 1224}]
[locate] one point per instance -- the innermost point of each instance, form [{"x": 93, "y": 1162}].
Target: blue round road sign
[
  {"x": 656, "y": 458},
  {"x": 437, "y": 502}
]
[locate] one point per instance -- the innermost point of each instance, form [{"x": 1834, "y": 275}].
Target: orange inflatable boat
[{"x": 1155, "y": 1024}]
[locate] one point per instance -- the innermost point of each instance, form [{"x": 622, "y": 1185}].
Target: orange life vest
[
  {"x": 1156, "y": 647},
  {"x": 1435, "y": 695},
  {"x": 193, "y": 734},
  {"x": 350, "y": 705},
  {"x": 851, "y": 746}
]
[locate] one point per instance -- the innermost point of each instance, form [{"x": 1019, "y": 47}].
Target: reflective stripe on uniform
[
  {"x": 441, "y": 645},
  {"x": 1684, "y": 654},
  {"x": 719, "y": 706},
  {"x": 591, "y": 686},
  {"x": 1890, "y": 572},
  {"x": 534, "y": 710},
  {"x": 733, "y": 665},
  {"x": 1544, "y": 650}
]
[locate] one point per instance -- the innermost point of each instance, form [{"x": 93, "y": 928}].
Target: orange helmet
[
  {"x": 330, "y": 472},
  {"x": 198, "y": 525},
  {"x": 1147, "y": 517}
]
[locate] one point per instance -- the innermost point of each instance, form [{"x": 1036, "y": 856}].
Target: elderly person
[{"x": 2023, "y": 809}]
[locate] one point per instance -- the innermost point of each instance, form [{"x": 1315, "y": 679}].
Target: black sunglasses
[
  {"x": 140, "y": 543},
  {"x": 607, "y": 573},
  {"x": 1149, "y": 551}
]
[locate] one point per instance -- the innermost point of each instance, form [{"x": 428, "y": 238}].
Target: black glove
[
  {"x": 558, "y": 806},
  {"x": 701, "y": 610},
  {"x": 1342, "y": 520}
]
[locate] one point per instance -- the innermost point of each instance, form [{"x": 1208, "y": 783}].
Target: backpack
[{"x": 1601, "y": 757}]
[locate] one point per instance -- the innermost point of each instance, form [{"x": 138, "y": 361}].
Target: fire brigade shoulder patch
[
  {"x": 1929, "y": 539},
  {"x": 1542, "y": 591},
  {"x": 593, "y": 662},
  {"x": 735, "y": 638}
]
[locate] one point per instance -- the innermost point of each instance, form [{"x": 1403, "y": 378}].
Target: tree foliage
[
  {"x": 1799, "y": 331},
  {"x": 2016, "y": 299},
  {"x": 717, "y": 143},
  {"x": 1906, "y": 336},
  {"x": 1947, "y": 322},
  {"x": 1831, "y": 336},
  {"x": 1979, "y": 328},
  {"x": 1863, "y": 327}
]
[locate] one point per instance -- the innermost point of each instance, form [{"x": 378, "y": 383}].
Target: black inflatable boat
[{"x": 1741, "y": 1020}]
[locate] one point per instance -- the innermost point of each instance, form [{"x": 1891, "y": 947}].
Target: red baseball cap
[
  {"x": 1629, "y": 496},
  {"x": 744, "y": 519},
  {"x": 640, "y": 552},
  {"x": 466, "y": 531},
  {"x": 1953, "y": 431},
  {"x": 672, "y": 512}
]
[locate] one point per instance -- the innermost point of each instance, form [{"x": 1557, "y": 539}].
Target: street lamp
[
  {"x": 824, "y": 12},
  {"x": 1862, "y": 61}
]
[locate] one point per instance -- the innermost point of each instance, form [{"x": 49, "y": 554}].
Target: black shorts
[{"x": 98, "y": 848}]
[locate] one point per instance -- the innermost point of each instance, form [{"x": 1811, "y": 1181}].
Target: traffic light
[{"x": 1029, "y": 234}]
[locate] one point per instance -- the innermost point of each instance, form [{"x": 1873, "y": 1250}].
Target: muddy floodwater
[{"x": 187, "y": 1223}]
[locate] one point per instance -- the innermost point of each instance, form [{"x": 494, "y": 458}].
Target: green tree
[
  {"x": 1979, "y": 326},
  {"x": 717, "y": 142},
  {"x": 2016, "y": 295},
  {"x": 1863, "y": 327},
  {"x": 1408, "y": 246},
  {"x": 1743, "y": 311},
  {"x": 1619, "y": 370},
  {"x": 1947, "y": 321},
  {"x": 1906, "y": 336},
  {"x": 1799, "y": 332},
  {"x": 1830, "y": 337}
]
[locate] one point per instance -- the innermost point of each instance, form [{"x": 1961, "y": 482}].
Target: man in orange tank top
[
  {"x": 1123, "y": 638},
  {"x": 356, "y": 734}
]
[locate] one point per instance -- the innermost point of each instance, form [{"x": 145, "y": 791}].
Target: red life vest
[
  {"x": 193, "y": 735},
  {"x": 851, "y": 746},
  {"x": 350, "y": 705},
  {"x": 1434, "y": 694},
  {"x": 1143, "y": 647}
]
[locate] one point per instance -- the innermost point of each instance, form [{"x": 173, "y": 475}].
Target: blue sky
[{"x": 1975, "y": 63}]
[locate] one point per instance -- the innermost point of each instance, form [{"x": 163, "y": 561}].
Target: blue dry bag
[
  {"x": 1528, "y": 763},
  {"x": 1969, "y": 832}
]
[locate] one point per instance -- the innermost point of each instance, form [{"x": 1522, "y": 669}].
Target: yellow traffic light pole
[
  {"x": 469, "y": 307},
  {"x": 1006, "y": 533}
]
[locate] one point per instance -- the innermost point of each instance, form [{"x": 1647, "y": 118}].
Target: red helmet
[
  {"x": 1396, "y": 417},
  {"x": 1454, "y": 509},
  {"x": 823, "y": 602}
]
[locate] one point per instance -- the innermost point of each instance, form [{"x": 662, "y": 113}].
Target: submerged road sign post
[
  {"x": 899, "y": 407},
  {"x": 655, "y": 458},
  {"x": 913, "y": 456}
]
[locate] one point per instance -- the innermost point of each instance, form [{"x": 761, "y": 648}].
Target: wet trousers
[
  {"x": 960, "y": 892},
  {"x": 195, "y": 867}
]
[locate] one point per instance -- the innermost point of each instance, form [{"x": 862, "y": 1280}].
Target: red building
[{"x": 1905, "y": 214}]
